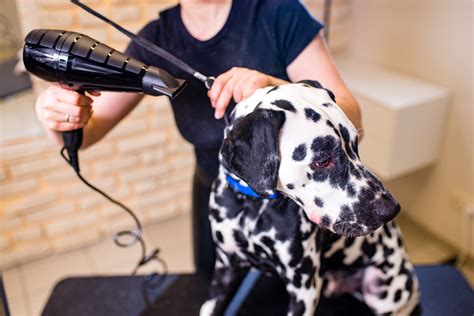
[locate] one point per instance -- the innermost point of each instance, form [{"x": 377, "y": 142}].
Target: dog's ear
[
  {"x": 251, "y": 151},
  {"x": 316, "y": 84}
]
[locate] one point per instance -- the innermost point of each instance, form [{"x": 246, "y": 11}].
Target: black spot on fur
[
  {"x": 267, "y": 241},
  {"x": 316, "y": 84},
  {"x": 318, "y": 202},
  {"x": 387, "y": 231},
  {"x": 351, "y": 190},
  {"x": 300, "y": 201},
  {"x": 355, "y": 146},
  {"x": 347, "y": 142},
  {"x": 219, "y": 237},
  {"x": 290, "y": 186},
  {"x": 327, "y": 104},
  {"x": 297, "y": 280},
  {"x": 311, "y": 83},
  {"x": 409, "y": 283},
  {"x": 299, "y": 153},
  {"x": 308, "y": 175},
  {"x": 363, "y": 208},
  {"x": 240, "y": 239},
  {"x": 331, "y": 95},
  {"x": 297, "y": 251},
  {"x": 297, "y": 308},
  {"x": 215, "y": 214},
  {"x": 387, "y": 281},
  {"x": 399, "y": 241},
  {"x": 346, "y": 214},
  {"x": 387, "y": 252},
  {"x": 397, "y": 296},
  {"x": 285, "y": 105},
  {"x": 312, "y": 115},
  {"x": 330, "y": 124},
  {"x": 325, "y": 221},
  {"x": 349, "y": 242},
  {"x": 368, "y": 248},
  {"x": 383, "y": 295},
  {"x": 306, "y": 266},
  {"x": 354, "y": 171},
  {"x": 285, "y": 229},
  {"x": 273, "y": 89},
  {"x": 335, "y": 261}
]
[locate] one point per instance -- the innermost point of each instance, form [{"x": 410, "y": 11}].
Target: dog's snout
[{"x": 386, "y": 208}]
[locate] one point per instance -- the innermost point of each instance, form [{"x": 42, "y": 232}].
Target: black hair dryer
[{"x": 81, "y": 63}]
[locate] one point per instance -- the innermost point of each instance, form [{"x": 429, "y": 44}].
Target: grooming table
[{"x": 444, "y": 292}]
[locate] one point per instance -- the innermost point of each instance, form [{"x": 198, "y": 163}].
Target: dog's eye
[{"x": 320, "y": 164}]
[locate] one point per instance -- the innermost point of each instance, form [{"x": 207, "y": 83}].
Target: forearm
[
  {"x": 351, "y": 108},
  {"x": 109, "y": 109}
]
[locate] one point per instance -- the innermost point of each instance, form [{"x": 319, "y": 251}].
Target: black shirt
[{"x": 261, "y": 35}]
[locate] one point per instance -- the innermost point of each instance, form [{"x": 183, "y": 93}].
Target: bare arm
[
  {"x": 315, "y": 62},
  {"x": 109, "y": 109}
]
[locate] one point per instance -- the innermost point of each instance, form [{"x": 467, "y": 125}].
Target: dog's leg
[
  {"x": 304, "y": 292},
  {"x": 392, "y": 292},
  {"x": 225, "y": 282}
]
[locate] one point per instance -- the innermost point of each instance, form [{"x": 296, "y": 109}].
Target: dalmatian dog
[{"x": 294, "y": 200}]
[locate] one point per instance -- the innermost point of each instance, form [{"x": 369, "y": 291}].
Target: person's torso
[{"x": 244, "y": 41}]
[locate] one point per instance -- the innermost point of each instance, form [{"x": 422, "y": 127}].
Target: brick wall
[{"x": 143, "y": 162}]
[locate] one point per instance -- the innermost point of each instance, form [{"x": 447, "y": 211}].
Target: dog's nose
[{"x": 386, "y": 208}]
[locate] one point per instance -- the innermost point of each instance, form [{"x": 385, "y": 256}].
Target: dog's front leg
[
  {"x": 225, "y": 282},
  {"x": 304, "y": 292}
]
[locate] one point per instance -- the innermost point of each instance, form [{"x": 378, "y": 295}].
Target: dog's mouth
[
  {"x": 343, "y": 228},
  {"x": 360, "y": 218},
  {"x": 349, "y": 229}
]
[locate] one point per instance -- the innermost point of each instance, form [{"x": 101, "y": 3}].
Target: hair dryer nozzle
[{"x": 158, "y": 81}]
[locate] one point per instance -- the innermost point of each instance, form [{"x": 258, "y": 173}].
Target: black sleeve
[
  {"x": 149, "y": 32},
  {"x": 295, "y": 28}
]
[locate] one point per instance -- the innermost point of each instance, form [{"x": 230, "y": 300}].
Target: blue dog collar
[{"x": 246, "y": 190}]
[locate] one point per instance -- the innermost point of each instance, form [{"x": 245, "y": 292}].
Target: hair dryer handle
[{"x": 72, "y": 142}]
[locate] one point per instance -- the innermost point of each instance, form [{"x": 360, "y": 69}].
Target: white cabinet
[{"x": 403, "y": 118}]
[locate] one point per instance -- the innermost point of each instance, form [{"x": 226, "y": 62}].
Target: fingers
[
  {"x": 224, "y": 97},
  {"x": 241, "y": 85},
  {"x": 66, "y": 117},
  {"x": 72, "y": 97},
  {"x": 254, "y": 83},
  {"x": 67, "y": 108},
  {"x": 94, "y": 93},
  {"x": 60, "y": 121},
  {"x": 217, "y": 86},
  {"x": 63, "y": 110},
  {"x": 237, "y": 83}
]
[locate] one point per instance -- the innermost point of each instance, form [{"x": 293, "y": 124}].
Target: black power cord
[{"x": 128, "y": 238}]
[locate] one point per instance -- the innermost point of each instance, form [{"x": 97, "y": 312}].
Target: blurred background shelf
[{"x": 403, "y": 117}]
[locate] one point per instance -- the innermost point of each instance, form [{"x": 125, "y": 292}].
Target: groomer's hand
[
  {"x": 60, "y": 110},
  {"x": 238, "y": 83}
]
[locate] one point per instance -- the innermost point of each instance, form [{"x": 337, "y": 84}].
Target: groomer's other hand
[
  {"x": 238, "y": 83},
  {"x": 60, "y": 110}
]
